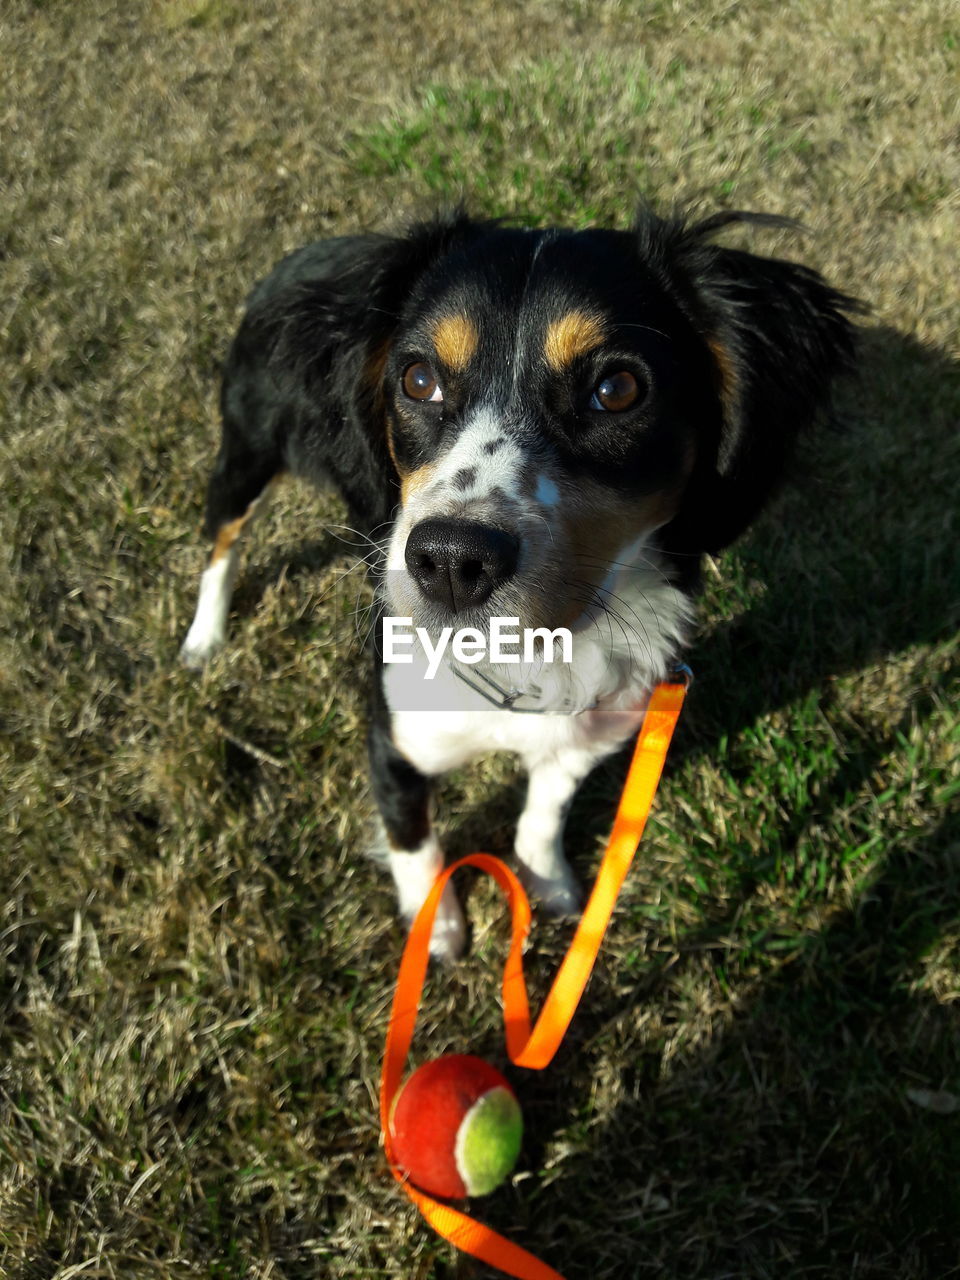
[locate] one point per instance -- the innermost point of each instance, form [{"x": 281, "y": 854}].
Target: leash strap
[{"x": 533, "y": 1048}]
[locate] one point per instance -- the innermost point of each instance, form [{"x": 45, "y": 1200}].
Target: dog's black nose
[{"x": 459, "y": 563}]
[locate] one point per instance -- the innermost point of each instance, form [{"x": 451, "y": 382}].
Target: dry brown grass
[{"x": 196, "y": 965}]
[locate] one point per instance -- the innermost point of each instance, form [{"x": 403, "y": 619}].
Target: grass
[{"x": 195, "y": 964}]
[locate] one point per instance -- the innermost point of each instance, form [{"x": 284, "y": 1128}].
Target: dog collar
[{"x": 510, "y": 699}]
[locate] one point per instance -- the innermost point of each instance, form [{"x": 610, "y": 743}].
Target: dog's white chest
[{"x": 435, "y": 741}]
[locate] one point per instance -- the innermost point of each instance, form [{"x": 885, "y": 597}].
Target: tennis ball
[{"x": 456, "y": 1127}]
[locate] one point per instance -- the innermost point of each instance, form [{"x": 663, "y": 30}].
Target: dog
[{"x": 553, "y": 428}]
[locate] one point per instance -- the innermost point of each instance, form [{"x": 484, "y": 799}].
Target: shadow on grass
[
  {"x": 860, "y": 565},
  {"x": 786, "y": 1142}
]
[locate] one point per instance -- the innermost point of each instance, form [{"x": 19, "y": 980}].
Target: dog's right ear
[
  {"x": 305, "y": 371},
  {"x": 334, "y": 305},
  {"x": 778, "y": 337},
  {"x": 307, "y": 363}
]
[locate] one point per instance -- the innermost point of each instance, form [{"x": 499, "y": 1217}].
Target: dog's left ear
[{"x": 778, "y": 338}]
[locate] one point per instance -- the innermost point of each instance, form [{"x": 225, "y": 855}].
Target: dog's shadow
[{"x": 854, "y": 569}]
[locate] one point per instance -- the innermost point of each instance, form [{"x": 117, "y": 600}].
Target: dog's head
[{"x": 557, "y": 405}]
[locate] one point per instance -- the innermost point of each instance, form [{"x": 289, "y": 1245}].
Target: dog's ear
[
  {"x": 335, "y": 307},
  {"x": 313, "y": 347},
  {"x": 778, "y": 337}
]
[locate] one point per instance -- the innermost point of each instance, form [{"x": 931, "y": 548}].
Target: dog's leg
[
  {"x": 208, "y": 631},
  {"x": 414, "y": 855},
  {"x": 539, "y": 842},
  {"x": 238, "y": 491}
]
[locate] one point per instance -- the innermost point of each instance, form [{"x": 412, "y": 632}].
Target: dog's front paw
[
  {"x": 449, "y": 934},
  {"x": 414, "y": 874},
  {"x": 197, "y": 650},
  {"x": 557, "y": 891}
]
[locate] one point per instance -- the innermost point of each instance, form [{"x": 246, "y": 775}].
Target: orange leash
[{"x": 527, "y": 1048}]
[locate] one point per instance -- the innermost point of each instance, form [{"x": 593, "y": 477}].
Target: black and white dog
[{"x": 554, "y": 427}]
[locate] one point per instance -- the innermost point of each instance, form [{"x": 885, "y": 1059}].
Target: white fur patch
[
  {"x": 498, "y": 470},
  {"x": 617, "y": 661},
  {"x": 414, "y": 875},
  {"x": 208, "y": 631}
]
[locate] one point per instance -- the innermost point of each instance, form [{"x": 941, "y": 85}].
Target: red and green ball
[{"x": 456, "y": 1127}]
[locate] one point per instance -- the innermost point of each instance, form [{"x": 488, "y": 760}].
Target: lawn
[{"x": 196, "y": 963}]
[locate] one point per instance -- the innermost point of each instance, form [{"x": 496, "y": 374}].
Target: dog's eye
[
  {"x": 618, "y": 391},
  {"x": 420, "y": 383}
]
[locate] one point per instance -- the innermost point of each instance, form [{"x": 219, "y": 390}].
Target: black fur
[
  {"x": 298, "y": 391},
  {"x": 747, "y": 349},
  {"x": 400, "y": 791},
  {"x": 785, "y": 337}
]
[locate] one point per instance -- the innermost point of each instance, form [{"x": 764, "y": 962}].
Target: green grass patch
[
  {"x": 480, "y": 138},
  {"x": 196, "y": 962}
]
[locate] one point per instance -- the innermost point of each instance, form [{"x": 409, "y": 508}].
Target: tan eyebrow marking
[
  {"x": 455, "y": 338},
  {"x": 572, "y": 335}
]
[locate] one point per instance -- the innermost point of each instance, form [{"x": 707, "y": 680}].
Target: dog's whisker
[{"x": 641, "y": 564}]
